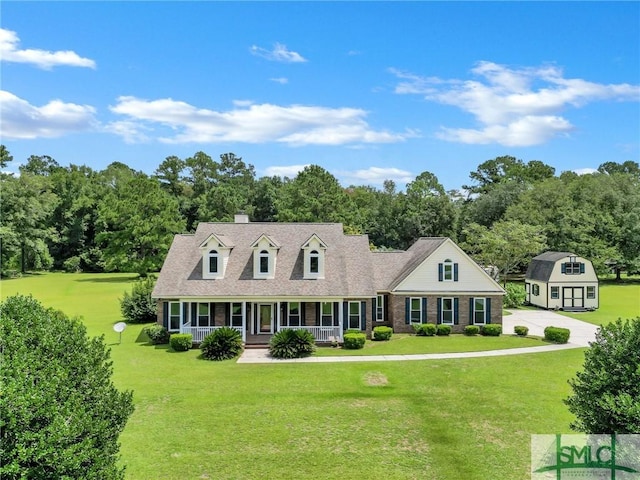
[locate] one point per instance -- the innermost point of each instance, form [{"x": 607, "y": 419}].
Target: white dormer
[
  {"x": 215, "y": 256},
  {"x": 265, "y": 254},
  {"x": 314, "y": 255}
]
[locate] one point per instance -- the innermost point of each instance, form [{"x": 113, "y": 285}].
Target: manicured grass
[
  {"x": 448, "y": 419},
  {"x": 616, "y": 301},
  {"x": 404, "y": 344}
]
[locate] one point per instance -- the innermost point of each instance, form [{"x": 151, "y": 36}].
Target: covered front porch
[{"x": 258, "y": 319}]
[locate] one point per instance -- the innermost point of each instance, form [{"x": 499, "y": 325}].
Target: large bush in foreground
[
  {"x": 290, "y": 343},
  {"x": 61, "y": 414},
  {"x": 515, "y": 296},
  {"x": 606, "y": 394},
  {"x": 138, "y": 306},
  {"x": 222, "y": 344}
]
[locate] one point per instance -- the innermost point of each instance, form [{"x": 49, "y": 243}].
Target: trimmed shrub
[
  {"x": 222, "y": 344},
  {"x": 471, "y": 330},
  {"x": 289, "y": 343},
  {"x": 425, "y": 329},
  {"x": 138, "y": 306},
  {"x": 157, "y": 334},
  {"x": 556, "y": 334},
  {"x": 382, "y": 333},
  {"x": 443, "y": 330},
  {"x": 352, "y": 330},
  {"x": 72, "y": 265},
  {"x": 521, "y": 330},
  {"x": 515, "y": 296},
  {"x": 491, "y": 330},
  {"x": 181, "y": 342},
  {"x": 354, "y": 341}
]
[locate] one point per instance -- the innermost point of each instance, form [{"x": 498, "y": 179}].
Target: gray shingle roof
[
  {"x": 541, "y": 267},
  {"x": 347, "y": 263}
]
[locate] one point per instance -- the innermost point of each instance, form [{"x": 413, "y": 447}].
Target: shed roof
[{"x": 541, "y": 266}]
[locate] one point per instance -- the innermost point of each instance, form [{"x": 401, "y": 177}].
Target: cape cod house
[
  {"x": 563, "y": 281},
  {"x": 262, "y": 277}
]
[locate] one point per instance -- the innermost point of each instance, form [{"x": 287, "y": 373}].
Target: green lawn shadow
[{"x": 109, "y": 279}]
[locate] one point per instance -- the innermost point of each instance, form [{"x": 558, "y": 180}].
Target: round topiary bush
[
  {"x": 521, "y": 330},
  {"x": 471, "y": 330},
  {"x": 290, "y": 343},
  {"x": 491, "y": 330},
  {"x": 157, "y": 334},
  {"x": 222, "y": 344},
  {"x": 443, "y": 330},
  {"x": 382, "y": 333},
  {"x": 181, "y": 342},
  {"x": 354, "y": 341},
  {"x": 424, "y": 329}
]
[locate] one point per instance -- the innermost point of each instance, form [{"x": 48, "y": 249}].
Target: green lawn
[
  {"x": 448, "y": 419},
  {"x": 404, "y": 344},
  {"x": 616, "y": 301}
]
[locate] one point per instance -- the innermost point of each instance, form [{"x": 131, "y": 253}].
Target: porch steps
[{"x": 256, "y": 345}]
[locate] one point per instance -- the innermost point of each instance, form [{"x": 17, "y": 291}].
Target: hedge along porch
[
  {"x": 257, "y": 320},
  {"x": 262, "y": 277}
]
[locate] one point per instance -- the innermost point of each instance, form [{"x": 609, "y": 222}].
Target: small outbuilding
[{"x": 562, "y": 281}]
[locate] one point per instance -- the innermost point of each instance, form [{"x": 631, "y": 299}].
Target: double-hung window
[
  {"x": 314, "y": 261},
  {"x": 203, "y": 314},
  {"x": 264, "y": 261},
  {"x": 236, "y": 314},
  {"x": 380, "y": 308},
  {"x": 213, "y": 261},
  {"x": 480, "y": 311},
  {"x": 591, "y": 292},
  {"x": 555, "y": 293},
  {"x": 415, "y": 310},
  {"x": 174, "y": 316},
  {"x": 354, "y": 315},
  {"x": 446, "y": 313},
  {"x": 293, "y": 314},
  {"x": 326, "y": 315}
]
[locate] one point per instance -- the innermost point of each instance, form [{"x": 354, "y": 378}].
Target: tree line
[{"x": 119, "y": 219}]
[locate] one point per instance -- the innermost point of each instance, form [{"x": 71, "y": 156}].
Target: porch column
[
  {"x": 340, "y": 317},
  {"x": 182, "y": 316},
  {"x": 244, "y": 322},
  {"x": 277, "y": 329}
]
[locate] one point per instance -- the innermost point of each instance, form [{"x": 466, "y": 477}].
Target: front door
[
  {"x": 572, "y": 297},
  {"x": 265, "y": 318}
]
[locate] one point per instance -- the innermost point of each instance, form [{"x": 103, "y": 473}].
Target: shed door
[{"x": 572, "y": 297}]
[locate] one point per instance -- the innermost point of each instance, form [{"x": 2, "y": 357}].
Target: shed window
[
  {"x": 573, "y": 268},
  {"x": 555, "y": 292},
  {"x": 535, "y": 289},
  {"x": 591, "y": 292}
]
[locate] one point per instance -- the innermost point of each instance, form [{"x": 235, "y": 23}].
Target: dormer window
[
  {"x": 314, "y": 262},
  {"x": 214, "y": 259},
  {"x": 265, "y": 255},
  {"x": 314, "y": 258},
  {"x": 264, "y": 262},
  {"x": 448, "y": 271},
  {"x": 215, "y": 251}
]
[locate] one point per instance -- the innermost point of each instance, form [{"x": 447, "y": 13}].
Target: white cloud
[
  {"x": 9, "y": 52},
  {"x": 585, "y": 171},
  {"x": 279, "y": 53},
  {"x": 376, "y": 176},
  {"x": 20, "y": 119},
  {"x": 280, "y": 80},
  {"x": 514, "y": 107},
  {"x": 293, "y": 125},
  {"x": 284, "y": 171}
]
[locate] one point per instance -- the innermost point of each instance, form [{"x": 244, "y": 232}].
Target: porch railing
[
  {"x": 321, "y": 334},
  {"x": 199, "y": 333}
]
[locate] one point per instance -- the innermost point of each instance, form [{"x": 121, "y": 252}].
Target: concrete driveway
[{"x": 581, "y": 332}]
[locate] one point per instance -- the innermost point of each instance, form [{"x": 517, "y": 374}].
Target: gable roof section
[
  {"x": 347, "y": 263},
  {"x": 417, "y": 253},
  {"x": 541, "y": 266},
  {"x": 221, "y": 239}
]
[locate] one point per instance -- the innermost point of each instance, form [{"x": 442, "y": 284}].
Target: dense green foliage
[
  {"x": 157, "y": 334},
  {"x": 382, "y": 333},
  {"x": 471, "y": 330},
  {"x": 61, "y": 414},
  {"x": 521, "y": 330},
  {"x": 425, "y": 329},
  {"x": 290, "y": 343},
  {"x": 556, "y": 334},
  {"x": 491, "y": 330},
  {"x": 515, "y": 296},
  {"x": 119, "y": 219},
  {"x": 354, "y": 341},
  {"x": 181, "y": 342},
  {"x": 138, "y": 306},
  {"x": 443, "y": 330},
  {"x": 606, "y": 394},
  {"x": 223, "y": 343}
]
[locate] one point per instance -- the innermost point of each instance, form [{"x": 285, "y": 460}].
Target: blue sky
[{"x": 367, "y": 90}]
